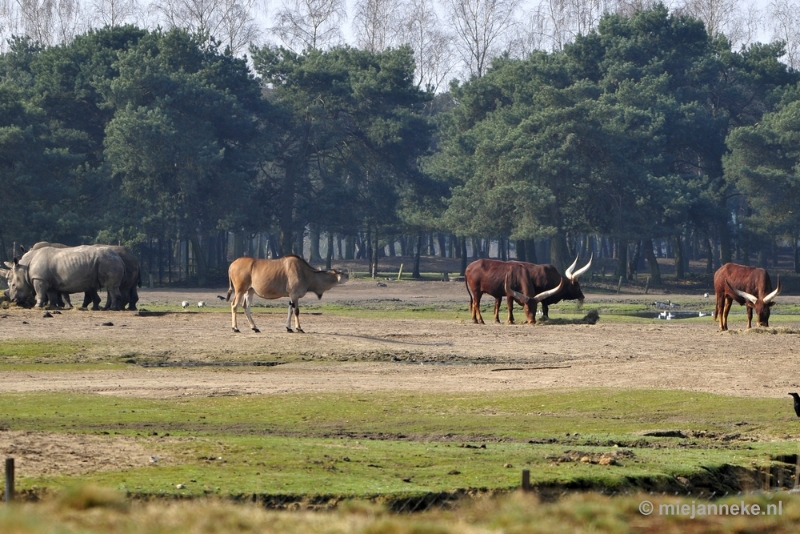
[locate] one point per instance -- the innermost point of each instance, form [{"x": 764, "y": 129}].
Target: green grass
[{"x": 364, "y": 444}]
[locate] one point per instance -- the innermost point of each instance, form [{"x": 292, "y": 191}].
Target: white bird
[
  {"x": 201, "y": 304},
  {"x": 185, "y": 304},
  {"x": 669, "y": 316},
  {"x": 701, "y": 314},
  {"x": 662, "y": 315},
  {"x": 705, "y": 295}
]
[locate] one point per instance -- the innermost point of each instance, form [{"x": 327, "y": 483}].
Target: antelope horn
[
  {"x": 775, "y": 293},
  {"x": 583, "y": 269},
  {"x": 745, "y": 295},
  {"x": 568, "y": 272}
]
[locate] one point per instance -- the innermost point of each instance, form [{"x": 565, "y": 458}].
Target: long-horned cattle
[
  {"x": 545, "y": 277},
  {"x": 290, "y": 276},
  {"x": 749, "y": 286},
  {"x": 488, "y": 277}
]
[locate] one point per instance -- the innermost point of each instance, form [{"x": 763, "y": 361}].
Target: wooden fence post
[
  {"x": 9, "y": 480},
  {"x": 526, "y": 480}
]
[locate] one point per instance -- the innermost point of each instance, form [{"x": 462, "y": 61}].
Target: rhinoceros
[
  {"x": 48, "y": 271},
  {"x": 127, "y": 288}
]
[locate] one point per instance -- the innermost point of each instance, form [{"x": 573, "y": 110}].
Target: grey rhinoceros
[
  {"x": 128, "y": 285},
  {"x": 48, "y": 271}
]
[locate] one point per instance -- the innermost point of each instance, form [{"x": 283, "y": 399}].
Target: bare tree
[
  {"x": 114, "y": 12},
  {"x": 433, "y": 47},
  {"x": 569, "y": 18},
  {"x": 10, "y": 22},
  {"x": 238, "y": 27},
  {"x": 533, "y": 33},
  {"x": 230, "y": 21},
  {"x": 725, "y": 17},
  {"x": 51, "y": 21},
  {"x": 376, "y": 24},
  {"x": 310, "y": 23},
  {"x": 784, "y": 17},
  {"x": 481, "y": 30}
]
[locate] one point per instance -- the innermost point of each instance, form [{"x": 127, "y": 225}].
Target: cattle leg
[
  {"x": 510, "y": 304},
  {"x": 545, "y": 312},
  {"x": 497, "y": 302},
  {"x": 477, "y": 318},
  {"x": 725, "y": 311},
  {"x": 248, "y": 298},
  {"x": 749, "y": 316}
]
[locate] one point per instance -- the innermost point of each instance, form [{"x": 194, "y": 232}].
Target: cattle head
[
  {"x": 342, "y": 276},
  {"x": 19, "y": 288},
  {"x": 760, "y": 306},
  {"x": 573, "y": 289},
  {"x": 536, "y": 298}
]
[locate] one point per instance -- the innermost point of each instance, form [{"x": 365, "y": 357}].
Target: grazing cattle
[
  {"x": 488, "y": 277},
  {"x": 48, "y": 271},
  {"x": 290, "y": 276},
  {"x": 748, "y": 286},
  {"x": 545, "y": 277},
  {"x": 525, "y": 300}
]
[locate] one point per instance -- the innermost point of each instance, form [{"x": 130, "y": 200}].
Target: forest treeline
[{"x": 647, "y": 134}]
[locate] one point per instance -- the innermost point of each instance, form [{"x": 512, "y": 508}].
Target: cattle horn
[
  {"x": 744, "y": 294},
  {"x": 537, "y": 298},
  {"x": 574, "y": 276},
  {"x": 775, "y": 293}
]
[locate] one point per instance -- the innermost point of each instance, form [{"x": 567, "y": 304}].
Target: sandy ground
[{"x": 193, "y": 352}]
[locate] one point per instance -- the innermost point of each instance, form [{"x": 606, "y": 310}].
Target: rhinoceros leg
[
  {"x": 133, "y": 298},
  {"x": 116, "y": 298},
  {"x": 93, "y": 297}
]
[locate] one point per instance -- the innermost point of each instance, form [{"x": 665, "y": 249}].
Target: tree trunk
[
  {"x": 522, "y": 253},
  {"x": 558, "y": 251},
  {"x": 724, "y": 242},
  {"x": 796, "y": 255},
  {"x": 313, "y": 237},
  {"x": 463, "y": 247},
  {"x": 329, "y": 255},
  {"x": 655, "y": 272},
  {"x": 415, "y": 272},
  {"x": 709, "y": 256},
  {"x": 622, "y": 258},
  {"x": 374, "y": 266},
  {"x": 442, "y": 245},
  {"x": 680, "y": 271},
  {"x": 199, "y": 260}
]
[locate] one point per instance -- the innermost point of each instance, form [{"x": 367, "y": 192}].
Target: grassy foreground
[
  {"x": 89, "y": 510},
  {"x": 387, "y": 443}
]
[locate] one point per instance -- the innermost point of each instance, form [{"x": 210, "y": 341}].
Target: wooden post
[
  {"x": 619, "y": 285},
  {"x": 646, "y": 285},
  {"x": 526, "y": 480},
  {"x": 9, "y": 480},
  {"x": 400, "y": 272},
  {"x": 151, "y": 280}
]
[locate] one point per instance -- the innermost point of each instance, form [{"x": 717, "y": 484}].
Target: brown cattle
[
  {"x": 488, "y": 277},
  {"x": 748, "y": 286},
  {"x": 546, "y": 277},
  {"x": 290, "y": 276}
]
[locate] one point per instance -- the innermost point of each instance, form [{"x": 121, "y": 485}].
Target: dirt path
[{"x": 203, "y": 357}]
